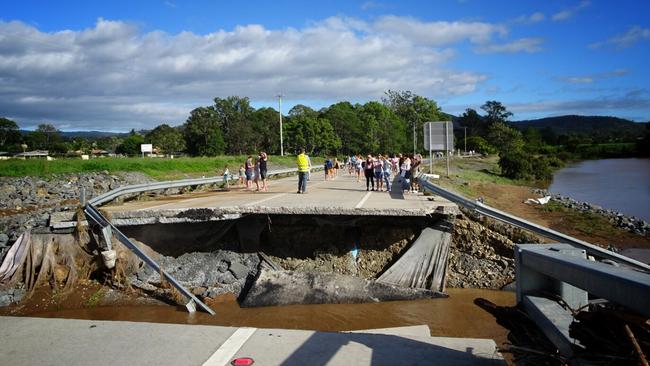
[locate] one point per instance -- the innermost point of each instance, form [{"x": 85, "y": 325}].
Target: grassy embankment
[
  {"x": 157, "y": 168},
  {"x": 480, "y": 177}
]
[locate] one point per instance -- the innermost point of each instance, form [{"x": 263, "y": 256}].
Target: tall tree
[
  {"x": 306, "y": 130},
  {"x": 347, "y": 126},
  {"x": 9, "y": 133},
  {"x": 131, "y": 144},
  {"x": 505, "y": 138},
  {"x": 414, "y": 111},
  {"x": 44, "y": 135},
  {"x": 202, "y": 132},
  {"x": 475, "y": 124},
  {"x": 235, "y": 118},
  {"x": 496, "y": 112},
  {"x": 166, "y": 138},
  {"x": 266, "y": 130},
  {"x": 384, "y": 131}
]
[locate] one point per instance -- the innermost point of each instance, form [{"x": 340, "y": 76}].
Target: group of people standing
[
  {"x": 379, "y": 170},
  {"x": 254, "y": 171}
]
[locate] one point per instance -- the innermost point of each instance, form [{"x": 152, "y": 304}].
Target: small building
[
  {"x": 99, "y": 152},
  {"x": 44, "y": 154}
]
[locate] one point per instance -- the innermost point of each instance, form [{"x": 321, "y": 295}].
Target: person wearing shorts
[
  {"x": 379, "y": 174},
  {"x": 263, "y": 172},
  {"x": 242, "y": 176},
  {"x": 358, "y": 167},
  {"x": 249, "y": 166}
]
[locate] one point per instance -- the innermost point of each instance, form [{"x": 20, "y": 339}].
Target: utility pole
[
  {"x": 280, "y": 111},
  {"x": 465, "y": 128}
]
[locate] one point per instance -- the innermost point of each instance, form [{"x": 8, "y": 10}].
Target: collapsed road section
[{"x": 260, "y": 259}]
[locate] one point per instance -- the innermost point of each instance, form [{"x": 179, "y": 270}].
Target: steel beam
[
  {"x": 621, "y": 285},
  {"x": 554, "y": 321},
  {"x": 96, "y": 216}
]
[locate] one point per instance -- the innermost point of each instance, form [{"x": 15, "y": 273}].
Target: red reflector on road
[{"x": 242, "y": 361}]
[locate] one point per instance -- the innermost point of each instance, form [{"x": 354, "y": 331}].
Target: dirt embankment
[{"x": 585, "y": 226}]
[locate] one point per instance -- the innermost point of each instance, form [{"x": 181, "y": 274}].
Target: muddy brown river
[{"x": 456, "y": 316}]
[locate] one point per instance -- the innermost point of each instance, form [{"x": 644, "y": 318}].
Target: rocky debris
[
  {"x": 4, "y": 245},
  {"x": 479, "y": 257},
  {"x": 377, "y": 247},
  {"x": 513, "y": 233},
  {"x": 630, "y": 223},
  {"x": 27, "y": 202},
  {"x": 11, "y": 296},
  {"x": 216, "y": 273},
  {"x": 274, "y": 288}
]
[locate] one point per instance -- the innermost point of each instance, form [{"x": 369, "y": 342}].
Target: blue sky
[{"x": 117, "y": 65}]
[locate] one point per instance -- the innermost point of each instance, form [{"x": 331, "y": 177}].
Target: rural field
[{"x": 157, "y": 168}]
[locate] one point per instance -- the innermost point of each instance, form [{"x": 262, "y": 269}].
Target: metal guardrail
[
  {"x": 527, "y": 225},
  {"x": 138, "y": 188},
  {"x": 565, "y": 277},
  {"x": 96, "y": 216}
]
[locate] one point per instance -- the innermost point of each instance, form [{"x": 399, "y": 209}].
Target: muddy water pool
[{"x": 456, "y": 316}]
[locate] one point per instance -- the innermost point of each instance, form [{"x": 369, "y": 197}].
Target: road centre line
[
  {"x": 255, "y": 203},
  {"x": 363, "y": 200},
  {"x": 229, "y": 348}
]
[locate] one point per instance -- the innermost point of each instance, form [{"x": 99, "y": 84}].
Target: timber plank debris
[{"x": 426, "y": 258}]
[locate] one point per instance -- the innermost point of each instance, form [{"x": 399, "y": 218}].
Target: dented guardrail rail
[
  {"x": 96, "y": 216},
  {"x": 486, "y": 210},
  {"x": 138, "y": 188}
]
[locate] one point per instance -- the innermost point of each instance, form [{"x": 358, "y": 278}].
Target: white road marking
[
  {"x": 363, "y": 200},
  {"x": 230, "y": 347},
  {"x": 255, "y": 203}
]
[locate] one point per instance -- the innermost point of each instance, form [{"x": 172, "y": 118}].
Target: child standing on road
[
  {"x": 226, "y": 178},
  {"x": 249, "y": 172},
  {"x": 242, "y": 176}
]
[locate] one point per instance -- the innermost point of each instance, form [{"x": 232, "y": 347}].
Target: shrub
[
  {"x": 515, "y": 164},
  {"x": 541, "y": 168}
]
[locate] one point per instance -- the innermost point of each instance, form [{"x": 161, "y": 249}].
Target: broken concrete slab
[
  {"x": 273, "y": 288},
  {"x": 239, "y": 270}
]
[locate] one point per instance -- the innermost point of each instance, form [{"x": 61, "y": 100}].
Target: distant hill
[
  {"x": 597, "y": 125},
  {"x": 92, "y": 135}
]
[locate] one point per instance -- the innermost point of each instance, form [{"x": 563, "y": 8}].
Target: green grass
[
  {"x": 462, "y": 172},
  {"x": 95, "y": 298},
  {"x": 586, "y": 222},
  {"x": 157, "y": 168}
]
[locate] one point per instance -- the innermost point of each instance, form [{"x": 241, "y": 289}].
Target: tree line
[
  {"x": 395, "y": 124},
  {"x": 232, "y": 126}
]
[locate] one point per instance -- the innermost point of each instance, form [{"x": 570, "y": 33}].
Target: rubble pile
[{"x": 479, "y": 257}]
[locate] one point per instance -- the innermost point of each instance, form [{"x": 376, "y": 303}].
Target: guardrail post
[{"x": 82, "y": 196}]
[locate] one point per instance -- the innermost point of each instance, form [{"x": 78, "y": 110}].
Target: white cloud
[
  {"x": 115, "y": 77},
  {"x": 570, "y": 12},
  {"x": 439, "y": 33},
  {"x": 633, "y": 35},
  {"x": 374, "y": 5},
  {"x": 588, "y": 79},
  {"x": 531, "y": 19},
  {"x": 529, "y": 45}
]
